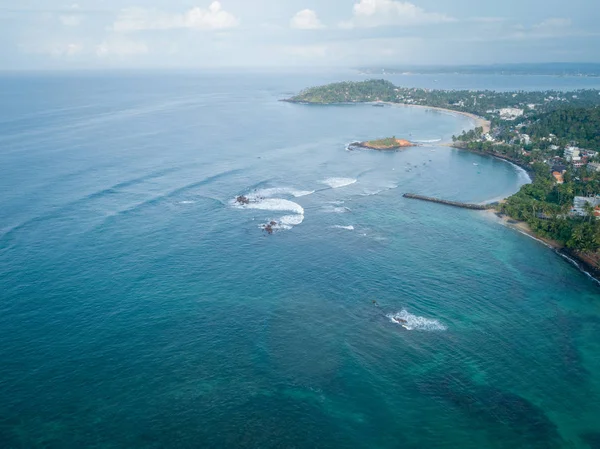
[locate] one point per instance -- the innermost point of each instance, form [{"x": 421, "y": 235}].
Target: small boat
[
  {"x": 475, "y": 164},
  {"x": 378, "y": 105}
]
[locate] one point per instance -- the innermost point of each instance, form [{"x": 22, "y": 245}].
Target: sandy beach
[
  {"x": 524, "y": 228},
  {"x": 479, "y": 121}
]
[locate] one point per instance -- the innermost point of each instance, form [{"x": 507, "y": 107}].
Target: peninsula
[
  {"x": 387, "y": 144},
  {"x": 552, "y": 134}
]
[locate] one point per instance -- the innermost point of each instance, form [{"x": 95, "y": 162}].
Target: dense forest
[{"x": 580, "y": 125}]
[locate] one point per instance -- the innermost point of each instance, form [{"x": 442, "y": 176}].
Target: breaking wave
[
  {"x": 414, "y": 322},
  {"x": 291, "y": 220},
  {"x": 262, "y": 199},
  {"x": 275, "y": 204},
  {"x": 428, "y": 141},
  {"x": 348, "y": 228},
  {"x": 336, "y": 183},
  {"x": 281, "y": 191},
  {"x": 336, "y": 209}
]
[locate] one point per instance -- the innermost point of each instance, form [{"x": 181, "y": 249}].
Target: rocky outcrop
[{"x": 242, "y": 200}]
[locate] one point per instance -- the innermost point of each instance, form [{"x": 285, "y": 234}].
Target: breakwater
[{"x": 414, "y": 196}]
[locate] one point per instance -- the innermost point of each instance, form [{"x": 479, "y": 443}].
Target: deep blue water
[{"x": 140, "y": 307}]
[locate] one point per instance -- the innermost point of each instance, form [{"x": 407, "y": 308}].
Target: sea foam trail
[
  {"x": 262, "y": 199},
  {"x": 414, "y": 322},
  {"x": 348, "y": 228},
  {"x": 276, "y": 204},
  {"x": 336, "y": 183},
  {"x": 428, "y": 141},
  {"x": 285, "y": 191}
]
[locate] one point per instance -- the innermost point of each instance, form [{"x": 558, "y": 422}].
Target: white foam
[
  {"x": 414, "y": 322},
  {"x": 276, "y": 204},
  {"x": 336, "y": 210},
  {"x": 336, "y": 183},
  {"x": 291, "y": 220},
  {"x": 348, "y": 228},
  {"x": 428, "y": 141},
  {"x": 367, "y": 192},
  {"x": 268, "y": 193},
  {"x": 186, "y": 202}
]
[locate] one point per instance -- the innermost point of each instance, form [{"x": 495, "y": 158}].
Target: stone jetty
[{"x": 446, "y": 202}]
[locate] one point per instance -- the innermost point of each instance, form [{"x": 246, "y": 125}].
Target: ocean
[{"x": 142, "y": 307}]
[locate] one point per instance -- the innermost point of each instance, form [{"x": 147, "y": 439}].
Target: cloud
[
  {"x": 71, "y": 20},
  {"x": 306, "y": 20},
  {"x": 54, "y": 49},
  {"x": 142, "y": 19},
  {"x": 553, "y": 23},
  {"x": 118, "y": 46},
  {"x": 550, "y": 28},
  {"x": 375, "y": 13}
]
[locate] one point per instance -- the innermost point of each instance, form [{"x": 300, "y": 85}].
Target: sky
[{"x": 78, "y": 34}]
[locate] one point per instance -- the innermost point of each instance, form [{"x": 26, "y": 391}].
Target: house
[
  {"x": 579, "y": 205},
  {"x": 571, "y": 154},
  {"x": 559, "y": 168},
  {"x": 510, "y": 113},
  {"x": 558, "y": 176},
  {"x": 595, "y": 166}
]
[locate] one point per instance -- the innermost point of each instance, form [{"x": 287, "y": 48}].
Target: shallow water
[{"x": 141, "y": 307}]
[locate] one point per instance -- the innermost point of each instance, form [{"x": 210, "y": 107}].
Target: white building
[
  {"x": 510, "y": 113},
  {"x": 595, "y": 166},
  {"x": 572, "y": 153},
  {"x": 579, "y": 205}
]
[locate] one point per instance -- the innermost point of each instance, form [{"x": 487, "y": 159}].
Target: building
[
  {"x": 558, "y": 176},
  {"x": 572, "y": 154},
  {"x": 595, "y": 166},
  {"x": 510, "y": 113},
  {"x": 579, "y": 205}
]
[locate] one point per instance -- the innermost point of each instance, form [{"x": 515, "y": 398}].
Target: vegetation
[
  {"x": 570, "y": 124},
  {"x": 387, "y": 144},
  {"x": 484, "y": 103},
  {"x": 533, "y": 137},
  {"x": 545, "y": 206}
]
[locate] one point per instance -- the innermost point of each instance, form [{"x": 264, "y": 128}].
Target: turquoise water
[{"x": 140, "y": 307}]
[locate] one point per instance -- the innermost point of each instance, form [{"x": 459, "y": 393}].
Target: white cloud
[
  {"x": 141, "y": 19},
  {"x": 71, "y": 20},
  {"x": 306, "y": 19},
  {"x": 552, "y": 24},
  {"x": 374, "y": 13},
  {"x": 120, "y": 47},
  {"x": 54, "y": 49},
  {"x": 547, "y": 29}
]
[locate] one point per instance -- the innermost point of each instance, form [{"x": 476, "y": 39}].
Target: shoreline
[
  {"x": 478, "y": 120},
  {"x": 584, "y": 264}
]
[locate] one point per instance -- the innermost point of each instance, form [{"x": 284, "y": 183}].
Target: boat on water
[
  {"x": 475, "y": 164},
  {"x": 378, "y": 105}
]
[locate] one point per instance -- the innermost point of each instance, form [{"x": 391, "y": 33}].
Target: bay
[{"x": 141, "y": 307}]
